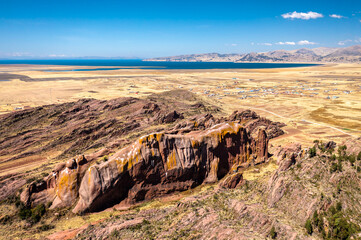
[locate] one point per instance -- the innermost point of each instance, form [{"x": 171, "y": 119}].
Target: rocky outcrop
[
  {"x": 162, "y": 163},
  {"x": 154, "y": 165},
  {"x": 233, "y": 181},
  {"x": 60, "y": 187}
]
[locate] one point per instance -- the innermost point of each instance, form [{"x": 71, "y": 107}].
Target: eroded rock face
[
  {"x": 162, "y": 163},
  {"x": 195, "y": 151}
]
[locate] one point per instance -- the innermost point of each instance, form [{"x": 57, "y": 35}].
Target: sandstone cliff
[{"x": 154, "y": 165}]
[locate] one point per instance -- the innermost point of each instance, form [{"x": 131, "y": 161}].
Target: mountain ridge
[{"x": 321, "y": 54}]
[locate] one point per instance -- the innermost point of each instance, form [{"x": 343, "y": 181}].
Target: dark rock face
[{"x": 171, "y": 117}]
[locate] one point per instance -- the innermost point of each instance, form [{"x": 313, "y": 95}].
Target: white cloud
[
  {"x": 302, "y": 15},
  {"x": 231, "y": 44},
  {"x": 342, "y": 43},
  {"x": 265, "y": 44},
  {"x": 305, "y": 42},
  {"x": 336, "y": 16},
  {"x": 286, "y": 43}
]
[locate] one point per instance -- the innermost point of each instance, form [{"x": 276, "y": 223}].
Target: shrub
[
  {"x": 309, "y": 227},
  {"x": 273, "y": 233},
  {"x": 315, "y": 219},
  {"x": 24, "y": 212},
  {"x": 34, "y": 214},
  {"x": 37, "y": 213},
  {"x": 312, "y": 152},
  {"x": 336, "y": 167},
  {"x": 46, "y": 227},
  {"x": 338, "y": 206}
]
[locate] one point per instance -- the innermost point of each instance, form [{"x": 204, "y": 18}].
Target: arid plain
[
  {"x": 320, "y": 102},
  {"x": 315, "y": 102}
]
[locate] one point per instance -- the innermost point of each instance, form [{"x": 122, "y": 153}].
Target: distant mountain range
[{"x": 321, "y": 54}]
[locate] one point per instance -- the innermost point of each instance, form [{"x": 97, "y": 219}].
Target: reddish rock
[
  {"x": 171, "y": 117},
  {"x": 233, "y": 181},
  {"x": 162, "y": 163},
  {"x": 200, "y": 150}
]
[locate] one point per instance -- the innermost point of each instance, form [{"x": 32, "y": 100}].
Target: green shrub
[
  {"x": 315, "y": 219},
  {"x": 309, "y": 227},
  {"x": 24, "y": 212},
  {"x": 336, "y": 167},
  {"x": 273, "y": 233},
  {"x": 34, "y": 215},
  {"x": 312, "y": 152},
  {"x": 338, "y": 206},
  {"x": 37, "y": 213}
]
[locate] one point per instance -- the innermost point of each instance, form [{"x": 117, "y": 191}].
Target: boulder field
[{"x": 154, "y": 165}]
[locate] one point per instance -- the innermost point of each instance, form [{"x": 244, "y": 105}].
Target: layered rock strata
[{"x": 154, "y": 165}]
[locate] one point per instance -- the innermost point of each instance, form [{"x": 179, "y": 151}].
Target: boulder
[{"x": 232, "y": 181}]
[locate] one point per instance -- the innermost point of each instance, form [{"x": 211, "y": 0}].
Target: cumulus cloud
[
  {"x": 301, "y": 42},
  {"x": 336, "y": 16},
  {"x": 305, "y": 42},
  {"x": 286, "y": 43},
  {"x": 302, "y": 15}
]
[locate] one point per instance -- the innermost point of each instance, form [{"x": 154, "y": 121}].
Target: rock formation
[
  {"x": 154, "y": 165},
  {"x": 162, "y": 163}
]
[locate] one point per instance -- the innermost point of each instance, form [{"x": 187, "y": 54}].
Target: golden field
[{"x": 320, "y": 102}]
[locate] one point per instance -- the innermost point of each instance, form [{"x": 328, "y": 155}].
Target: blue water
[{"x": 139, "y": 64}]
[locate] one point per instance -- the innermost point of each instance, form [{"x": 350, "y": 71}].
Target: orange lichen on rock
[
  {"x": 161, "y": 162},
  {"x": 157, "y": 164}
]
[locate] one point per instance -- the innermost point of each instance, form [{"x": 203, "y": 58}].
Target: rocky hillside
[
  {"x": 181, "y": 173},
  {"x": 305, "y": 197},
  {"x": 322, "y": 54}
]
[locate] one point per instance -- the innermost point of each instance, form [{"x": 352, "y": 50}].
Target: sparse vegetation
[
  {"x": 337, "y": 226},
  {"x": 312, "y": 152},
  {"x": 33, "y": 215},
  {"x": 309, "y": 227},
  {"x": 273, "y": 233}
]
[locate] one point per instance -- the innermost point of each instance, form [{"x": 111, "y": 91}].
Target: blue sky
[{"x": 76, "y": 28}]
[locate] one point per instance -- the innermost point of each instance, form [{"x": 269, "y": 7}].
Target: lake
[{"x": 139, "y": 64}]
